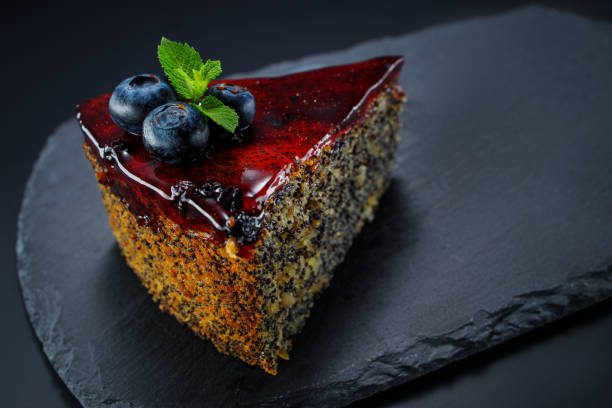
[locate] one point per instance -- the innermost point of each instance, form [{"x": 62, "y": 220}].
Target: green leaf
[
  {"x": 205, "y": 74},
  {"x": 223, "y": 115},
  {"x": 179, "y": 62},
  {"x": 183, "y": 84},
  {"x": 174, "y": 55},
  {"x": 190, "y": 77},
  {"x": 212, "y": 69}
]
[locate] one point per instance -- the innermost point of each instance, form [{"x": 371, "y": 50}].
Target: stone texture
[{"x": 499, "y": 220}]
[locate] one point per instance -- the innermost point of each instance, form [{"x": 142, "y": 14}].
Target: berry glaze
[{"x": 296, "y": 116}]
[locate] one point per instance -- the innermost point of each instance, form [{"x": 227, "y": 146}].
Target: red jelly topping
[{"x": 296, "y": 116}]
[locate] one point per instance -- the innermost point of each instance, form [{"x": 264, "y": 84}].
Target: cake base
[{"x": 496, "y": 222}]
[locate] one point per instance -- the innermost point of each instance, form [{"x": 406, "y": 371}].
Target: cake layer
[
  {"x": 296, "y": 116},
  {"x": 252, "y": 308}
]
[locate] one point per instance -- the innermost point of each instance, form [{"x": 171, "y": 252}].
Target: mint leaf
[
  {"x": 174, "y": 55},
  {"x": 180, "y": 61},
  {"x": 223, "y": 115},
  {"x": 188, "y": 74},
  {"x": 204, "y": 75},
  {"x": 211, "y": 69},
  {"x": 183, "y": 84},
  {"x": 190, "y": 77}
]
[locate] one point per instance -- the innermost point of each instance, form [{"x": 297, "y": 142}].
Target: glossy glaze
[{"x": 296, "y": 116}]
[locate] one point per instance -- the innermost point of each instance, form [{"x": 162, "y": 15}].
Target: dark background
[{"x": 54, "y": 56}]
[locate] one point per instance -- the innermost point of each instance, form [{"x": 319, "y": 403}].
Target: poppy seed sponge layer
[{"x": 250, "y": 299}]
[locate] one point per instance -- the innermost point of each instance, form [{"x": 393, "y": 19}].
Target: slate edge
[
  {"x": 484, "y": 330},
  {"x": 47, "y": 301}
]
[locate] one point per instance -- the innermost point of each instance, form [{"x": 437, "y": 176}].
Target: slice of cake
[{"x": 237, "y": 243}]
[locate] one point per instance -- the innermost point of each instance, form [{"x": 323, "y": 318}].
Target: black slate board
[{"x": 499, "y": 220}]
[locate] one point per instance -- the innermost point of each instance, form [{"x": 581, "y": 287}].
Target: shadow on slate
[{"x": 498, "y": 220}]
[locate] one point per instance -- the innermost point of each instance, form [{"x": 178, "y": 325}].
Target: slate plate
[{"x": 499, "y": 220}]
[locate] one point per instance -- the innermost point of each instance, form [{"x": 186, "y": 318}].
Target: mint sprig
[
  {"x": 190, "y": 76},
  {"x": 217, "y": 111}
]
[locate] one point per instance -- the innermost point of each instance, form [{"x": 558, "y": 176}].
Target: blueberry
[
  {"x": 175, "y": 133},
  {"x": 237, "y": 98},
  {"x": 135, "y": 97}
]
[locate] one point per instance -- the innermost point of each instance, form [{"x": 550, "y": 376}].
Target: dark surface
[{"x": 498, "y": 221}]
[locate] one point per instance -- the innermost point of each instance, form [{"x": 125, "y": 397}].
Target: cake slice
[{"x": 237, "y": 244}]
